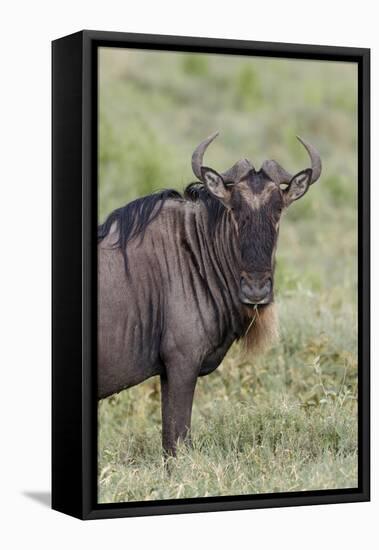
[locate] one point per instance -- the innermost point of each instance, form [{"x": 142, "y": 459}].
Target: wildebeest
[{"x": 181, "y": 277}]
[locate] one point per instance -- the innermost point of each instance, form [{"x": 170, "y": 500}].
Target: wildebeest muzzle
[{"x": 256, "y": 288}]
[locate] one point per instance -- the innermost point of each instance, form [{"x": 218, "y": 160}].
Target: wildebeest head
[{"x": 256, "y": 200}]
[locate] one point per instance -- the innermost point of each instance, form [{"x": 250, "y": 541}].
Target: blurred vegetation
[{"x": 287, "y": 421}]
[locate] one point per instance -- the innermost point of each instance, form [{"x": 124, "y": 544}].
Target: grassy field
[{"x": 287, "y": 421}]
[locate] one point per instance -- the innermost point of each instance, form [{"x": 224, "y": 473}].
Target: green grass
[{"x": 286, "y": 421}]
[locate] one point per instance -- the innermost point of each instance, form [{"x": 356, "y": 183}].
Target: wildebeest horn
[
  {"x": 233, "y": 175},
  {"x": 237, "y": 172},
  {"x": 197, "y": 157},
  {"x": 281, "y": 176},
  {"x": 276, "y": 173},
  {"x": 315, "y": 159}
]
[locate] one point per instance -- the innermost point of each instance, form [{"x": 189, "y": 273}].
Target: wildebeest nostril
[
  {"x": 261, "y": 289},
  {"x": 245, "y": 285},
  {"x": 267, "y": 285}
]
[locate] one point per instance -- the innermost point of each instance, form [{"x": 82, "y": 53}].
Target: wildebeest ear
[
  {"x": 298, "y": 186},
  {"x": 215, "y": 184}
]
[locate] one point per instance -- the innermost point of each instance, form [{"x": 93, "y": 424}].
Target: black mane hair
[
  {"x": 197, "y": 192},
  {"x": 133, "y": 218}
]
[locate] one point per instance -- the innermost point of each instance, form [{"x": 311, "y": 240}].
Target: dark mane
[
  {"x": 197, "y": 192},
  {"x": 133, "y": 218}
]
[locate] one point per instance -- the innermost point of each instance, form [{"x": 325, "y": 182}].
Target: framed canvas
[{"x": 175, "y": 298}]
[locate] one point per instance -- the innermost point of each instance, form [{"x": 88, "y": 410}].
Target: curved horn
[
  {"x": 280, "y": 176},
  {"x": 275, "y": 172},
  {"x": 238, "y": 171},
  {"x": 197, "y": 157},
  {"x": 315, "y": 159}
]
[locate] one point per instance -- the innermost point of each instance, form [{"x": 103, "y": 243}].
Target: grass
[{"x": 286, "y": 421}]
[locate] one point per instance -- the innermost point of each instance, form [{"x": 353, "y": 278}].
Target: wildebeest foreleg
[{"x": 177, "y": 397}]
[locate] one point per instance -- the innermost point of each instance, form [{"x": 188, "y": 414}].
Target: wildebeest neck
[{"x": 214, "y": 256}]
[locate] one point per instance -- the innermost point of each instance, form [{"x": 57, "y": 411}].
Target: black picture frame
[{"x": 74, "y": 204}]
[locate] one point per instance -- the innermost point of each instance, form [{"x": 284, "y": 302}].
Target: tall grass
[{"x": 287, "y": 421}]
